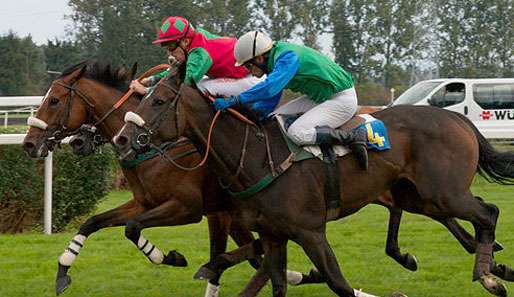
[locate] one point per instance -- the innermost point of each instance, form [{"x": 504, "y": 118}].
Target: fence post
[
  {"x": 48, "y": 194},
  {"x": 6, "y": 118}
]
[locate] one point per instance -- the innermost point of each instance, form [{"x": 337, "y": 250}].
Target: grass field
[{"x": 109, "y": 265}]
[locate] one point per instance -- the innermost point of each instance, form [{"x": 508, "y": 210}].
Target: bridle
[
  {"x": 62, "y": 131},
  {"x": 144, "y": 131}
]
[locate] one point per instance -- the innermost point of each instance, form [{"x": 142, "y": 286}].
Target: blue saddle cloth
[{"x": 377, "y": 135}]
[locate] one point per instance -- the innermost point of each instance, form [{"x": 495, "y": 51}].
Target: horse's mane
[{"x": 117, "y": 77}]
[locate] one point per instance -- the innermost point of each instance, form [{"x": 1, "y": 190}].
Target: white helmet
[{"x": 251, "y": 45}]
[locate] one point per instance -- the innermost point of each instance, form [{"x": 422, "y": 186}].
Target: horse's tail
[{"x": 493, "y": 165}]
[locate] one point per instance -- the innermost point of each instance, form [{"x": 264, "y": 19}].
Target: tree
[
  {"x": 232, "y": 17},
  {"x": 351, "y": 43},
  {"x": 119, "y": 32},
  {"x": 476, "y": 38},
  {"x": 23, "y": 66},
  {"x": 275, "y": 17},
  {"x": 61, "y": 53}
]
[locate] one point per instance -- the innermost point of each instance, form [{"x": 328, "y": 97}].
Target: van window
[
  {"x": 417, "y": 92},
  {"x": 448, "y": 95},
  {"x": 494, "y": 96}
]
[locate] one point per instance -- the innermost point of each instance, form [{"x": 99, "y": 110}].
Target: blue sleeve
[{"x": 284, "y": 70}]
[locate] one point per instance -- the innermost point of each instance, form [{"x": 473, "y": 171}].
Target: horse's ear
[
  {"x": 133, "y": 71},
  {"x": 76, "y": 75}
]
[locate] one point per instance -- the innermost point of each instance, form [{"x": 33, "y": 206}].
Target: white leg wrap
[
  {"x": 359, "y": 293},
  {"x": 211, "y": 290},
  {"x": 294, "y": 277},
  {"x": 72, "y": 251},
  {"x": 150, "y": 250}
]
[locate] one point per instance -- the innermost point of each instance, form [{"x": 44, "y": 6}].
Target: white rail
[{"x": 26, "y": 104}]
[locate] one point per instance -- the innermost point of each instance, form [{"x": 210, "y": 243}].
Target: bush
[{"x": 79, "y": 183}]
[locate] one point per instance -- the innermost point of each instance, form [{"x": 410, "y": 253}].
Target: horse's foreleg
[
  {"x": 222, "y": 262},
  {"x": 170, "y": 213},
  {"x": 242, "y": 236},
  {"x": 219, "y": 225},
  {"x": 275, "y": 262},
  {"x": 112, "y": 218},
  {"x": 320, "y": 253}
]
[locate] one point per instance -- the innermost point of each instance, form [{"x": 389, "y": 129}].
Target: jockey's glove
[{"x": 222, "y": 103}]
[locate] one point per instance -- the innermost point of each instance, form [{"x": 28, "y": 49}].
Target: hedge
[{"x": 79, "y": 184}]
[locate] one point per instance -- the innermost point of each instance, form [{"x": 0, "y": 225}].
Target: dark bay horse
[
  {"x": 163, "y": 195},
  {"x": 434, "y": 157}
]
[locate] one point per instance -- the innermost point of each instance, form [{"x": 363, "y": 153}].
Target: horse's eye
[
  {"x": 158, "y": 102},
  {"x": 54, "y": 101}
]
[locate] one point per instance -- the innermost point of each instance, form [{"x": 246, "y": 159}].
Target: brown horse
[
  {"x": 422, "y": 170},
  {"x": 162, "y": 194}
]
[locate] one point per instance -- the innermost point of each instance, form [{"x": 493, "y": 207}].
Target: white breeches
[
  {"x": 226, "y": 87},
  {"x": 334, "y": 112}
]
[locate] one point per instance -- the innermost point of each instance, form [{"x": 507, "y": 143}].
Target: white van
[{"x": 489, "y": 103}]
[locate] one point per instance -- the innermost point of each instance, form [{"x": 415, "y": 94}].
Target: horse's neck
[
  {"x": 104, "y": 99},
  {"x": 227, "y": 142}
]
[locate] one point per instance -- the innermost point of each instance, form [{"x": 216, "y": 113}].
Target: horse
[
  {"x": 422, "y": 171},
  {"x": 163, "y": 195}
]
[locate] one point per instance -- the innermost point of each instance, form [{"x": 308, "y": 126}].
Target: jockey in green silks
[
  {"x": 329, "y": 98},
  {"x": 209, "y": 58}
]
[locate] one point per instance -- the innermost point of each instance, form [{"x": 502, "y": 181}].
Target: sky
[{"x": 42, "y": 19}]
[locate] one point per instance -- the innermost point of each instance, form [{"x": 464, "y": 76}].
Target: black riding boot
[{"x": 355, "y": 139}]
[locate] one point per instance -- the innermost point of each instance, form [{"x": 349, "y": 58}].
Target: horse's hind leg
[
  {"x": 392, "y": 249},
  {"x": 112, "y": 218},
  {"x": 483, "y": 216}
]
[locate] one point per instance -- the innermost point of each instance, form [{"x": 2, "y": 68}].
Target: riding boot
[{"x": 355, "y": 139}]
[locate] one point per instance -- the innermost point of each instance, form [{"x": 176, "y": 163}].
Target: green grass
[{"x": 109, "y": 265}]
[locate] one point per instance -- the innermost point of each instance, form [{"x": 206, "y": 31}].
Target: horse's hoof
[
  {"x": 398, "y": 294},
  {"x": 410, "y": 262},
  {"x": 497, "y": 247},
  {"x": 205, "y": 273},
  {"x": 504, "y": 272},
  {"x": 175, "y": 258},
  {"x": 61, "y": 284},
  {"x": 493, "y": 285}
]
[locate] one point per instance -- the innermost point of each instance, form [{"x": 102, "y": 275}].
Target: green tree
[
  {"x": 60, "y": 54},
  {"x": 476, "y": 38},
  {"x": 232, "y": 17},
  {"x": 275, "y": 17},
  {"x": 23, "y": 66},
  {"x": 120, "y": 32},
  {"x": 351, "y": 43}
]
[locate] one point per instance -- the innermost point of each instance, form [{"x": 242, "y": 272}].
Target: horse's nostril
[
  {"x": 121, "y": 140},
  {"x": 28, "y": 145},
  {"x": 77, "y": 142}
]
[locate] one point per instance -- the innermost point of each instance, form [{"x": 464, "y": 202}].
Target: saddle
[{"x": 377, "y": 140}]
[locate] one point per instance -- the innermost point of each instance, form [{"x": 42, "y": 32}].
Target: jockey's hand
[
  {"x": 146, "y": 81},
  {"x": 222, "y": 103},
  {"x": 137, "y": 87}
]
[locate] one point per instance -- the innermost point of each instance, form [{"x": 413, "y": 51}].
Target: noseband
[{"x": 143, "y": 131}]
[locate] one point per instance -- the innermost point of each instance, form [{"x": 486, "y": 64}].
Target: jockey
[
  {"x": 329, "y": 98},
  {"x": 210, "y": 62}
]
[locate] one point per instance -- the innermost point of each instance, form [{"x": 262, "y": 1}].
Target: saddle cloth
[{"x": 377, "y": 136}]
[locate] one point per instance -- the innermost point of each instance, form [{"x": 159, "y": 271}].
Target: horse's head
[
  {"x": 66, "y": 107},
  {"x": 61, "y": 111},
  {"x": 155, "y": 121}
]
